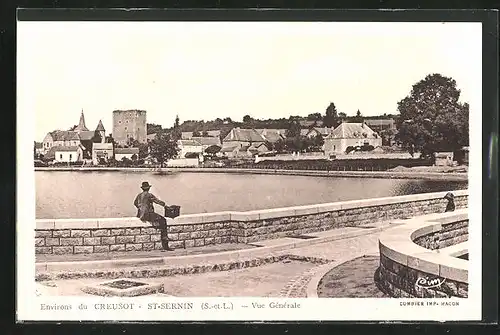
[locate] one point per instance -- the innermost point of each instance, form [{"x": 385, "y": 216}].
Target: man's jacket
[{"x": 144, "y": 203}]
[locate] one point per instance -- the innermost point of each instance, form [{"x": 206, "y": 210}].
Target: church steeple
[
  {"x": 81, "y": 125},
  {"x": 101, "y": 131}
]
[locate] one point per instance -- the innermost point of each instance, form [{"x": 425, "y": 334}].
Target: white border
[{"x": 311, "y": 309}]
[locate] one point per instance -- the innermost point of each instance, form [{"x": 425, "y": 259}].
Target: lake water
[{"x": 89, "y": 194}]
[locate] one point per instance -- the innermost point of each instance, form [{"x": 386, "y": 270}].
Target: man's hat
[
  {"x": 145, "y": 185},
  {"x": 449, "y": 195}
]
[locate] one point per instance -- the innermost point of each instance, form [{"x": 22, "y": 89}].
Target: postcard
[{"x": 250, "y": 171}]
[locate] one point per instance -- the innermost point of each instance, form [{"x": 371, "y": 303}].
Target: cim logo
[{"x": 429, "y": 283}]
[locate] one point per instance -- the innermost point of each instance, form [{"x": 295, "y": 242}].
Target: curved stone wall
[
  {"x": 130, "y": 234},
  {"x": 420, "y": 258}
]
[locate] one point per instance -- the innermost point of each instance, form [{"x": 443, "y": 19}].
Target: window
[
  {"x": 70, "y": 156},
  {"x": 125, "y": 128},
  {"x": 60, "y": 156},
  {"x": 126, "y": 121}
]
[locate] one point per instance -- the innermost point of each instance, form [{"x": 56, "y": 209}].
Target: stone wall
[
  {"x": 450, "y": 234},
  {"x": 410, "y": 265},
  {"x": 130, "y": 234},
  {"x": 399, "y": 280}
]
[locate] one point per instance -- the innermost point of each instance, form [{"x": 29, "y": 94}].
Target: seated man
[{"x": 146, "y": 213}]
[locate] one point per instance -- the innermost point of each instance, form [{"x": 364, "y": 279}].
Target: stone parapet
[
  {"x": 61, "y": 236},
  {"x": 420, "y": 258}
]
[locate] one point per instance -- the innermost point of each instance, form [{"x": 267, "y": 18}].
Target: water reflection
[{"x": 111, "y": 194}]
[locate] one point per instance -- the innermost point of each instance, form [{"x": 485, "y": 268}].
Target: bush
[{"x": 349, "y": 149}]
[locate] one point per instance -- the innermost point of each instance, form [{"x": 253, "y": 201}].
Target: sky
[{"x": 203, "y": 71}]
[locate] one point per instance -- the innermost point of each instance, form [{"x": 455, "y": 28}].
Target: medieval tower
[{"x": 129, "y": 124}]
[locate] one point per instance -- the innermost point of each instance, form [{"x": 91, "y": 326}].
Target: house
[
  {"x": 68, "y": 154},
  {"x": 272, "y": 135},
  {"x": 239, "y": 140},
  {"x": 443, "y": 158},
  {"x": 102, "y": 151},
  {"x": 244, "y": 151},
  {"x": 58, "y": 138},
  {"x": 121, "y": 153},
  {"x": 243, "y": 137},
  {"x": 350, "y": 135},
  {"x": 188, "y": 147},
  {"x": 206, "y": 142},
  {"x": 316, "y": 131},
  {"x": 186, "y": 135},
  {"x": 257, "y": 148}
]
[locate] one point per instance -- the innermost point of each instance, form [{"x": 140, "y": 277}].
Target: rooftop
[
  {"x": 63, "y": 148},
  {"x": 353, "y": 130},
  {"x": 127, "y": 151},
  {"x": 244, "y": 135}
]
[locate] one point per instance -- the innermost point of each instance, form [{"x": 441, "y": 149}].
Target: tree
[
  {"x": 110, "y": 139},
  {"x": 314, "y": 117},
  {"x": 196, "y": 133},
  {"x": 342, "y": 115},
  {"x": 331, "y": 117},
  {"x": 134, "y": 158},
  {"x": 293, "y": 129},
  {"x": 358, "y": 118},
  {"x": 212, "y": 150},
  {"x": 279, "y": 146},
  {"x": 318, "y": 141},
  {"x": 431, "y": 117},
  {"x": 247, "y": 119},
  {"x": 176, "y": 131},
  {"x": 152, "y": 128},
  {"x": 163, "y": 147},
  {"x": 205, "y": 133}
]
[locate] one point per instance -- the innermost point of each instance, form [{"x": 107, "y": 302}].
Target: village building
[
  {"x": 316, "y": 131},
  {"x": 206, "y": 142},
  {"x": 128, "y": 153},
  {"x": 68, "y": 154},
  {"x": 243, "y": 142},
  {"x": 189, "y": 147},
  {"x": 272, "y": 135},
  {"x": 102, "y": 151},
  {"x": 350, "y": 135}
]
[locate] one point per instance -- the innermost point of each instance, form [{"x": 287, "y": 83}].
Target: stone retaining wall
[
  {"x": 127, "y": 234},
  {"x": 450, "y": 234},
  {"x": 410, "y": 265}
]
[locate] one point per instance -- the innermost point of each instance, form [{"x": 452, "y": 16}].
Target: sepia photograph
[{"x": 249, "y": 170}]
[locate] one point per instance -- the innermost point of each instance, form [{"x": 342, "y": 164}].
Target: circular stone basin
[{"x": 352, "y": 279}]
